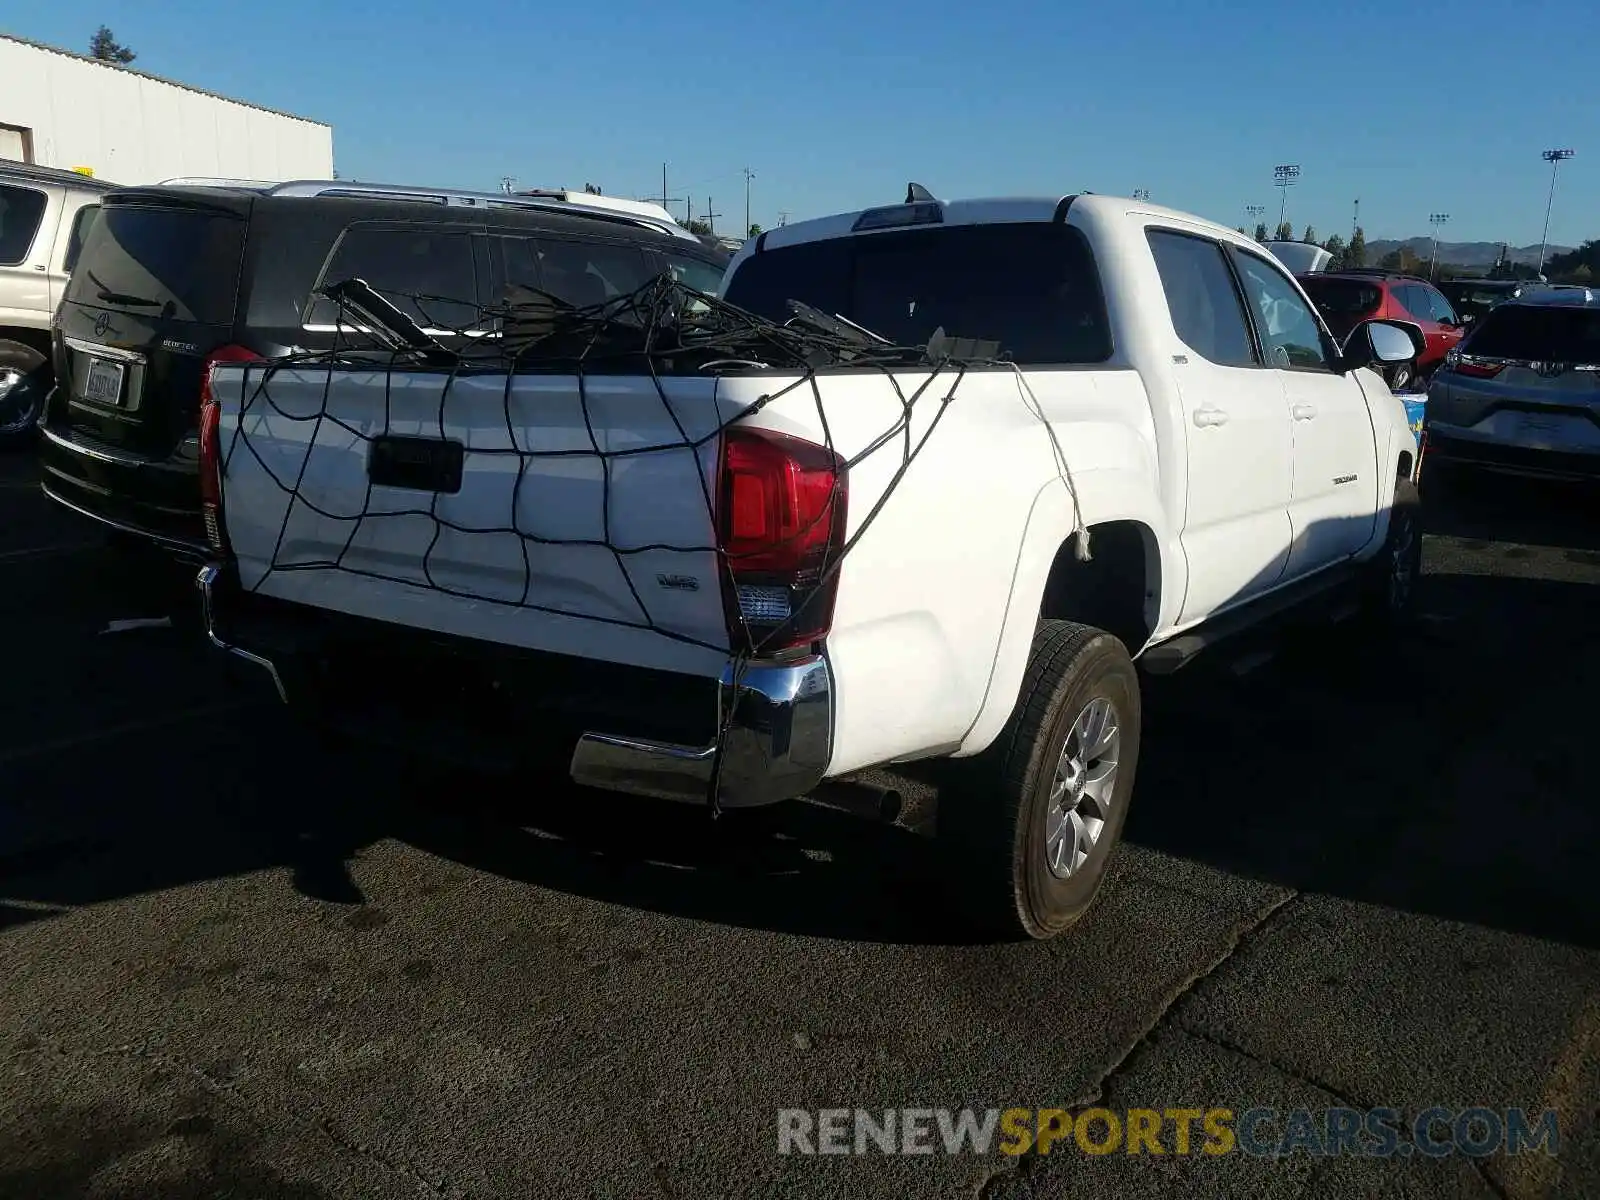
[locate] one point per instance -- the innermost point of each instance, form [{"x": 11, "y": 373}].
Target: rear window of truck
[
  {"x": 179, "y": 263},
  {"x": 1538, "y": 333},
  {"x": 1032, "y": 288}
]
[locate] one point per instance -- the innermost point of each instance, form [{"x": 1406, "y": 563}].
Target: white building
[{"x": 60, "y": 109}]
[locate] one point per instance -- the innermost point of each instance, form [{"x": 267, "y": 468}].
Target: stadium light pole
[
  {"x": 1141, "y": 194},
  {"x": 1436, "y": 220},
  {"x": 1284, "y": 177},
  {"x": 1555, "y": 158}
]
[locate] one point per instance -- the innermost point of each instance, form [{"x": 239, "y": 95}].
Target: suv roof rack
[
  {"x": 588, "y": 204},
  {"x": 34, "y": 173}
]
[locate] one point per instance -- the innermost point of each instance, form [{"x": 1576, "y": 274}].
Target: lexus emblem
[{"x": 102, "y": 324}]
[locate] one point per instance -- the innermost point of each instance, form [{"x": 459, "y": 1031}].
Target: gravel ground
[{"x": 234, "y": 964}]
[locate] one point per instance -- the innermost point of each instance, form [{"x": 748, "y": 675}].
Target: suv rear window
[
  {"x": 179, "y": 263},
  {"x": 1538, "y": 333},
  {"x": 1341, "y": 297},
  {"x": 1031, "y": 287}
]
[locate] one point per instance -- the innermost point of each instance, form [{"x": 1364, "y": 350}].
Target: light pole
[
  {"x": 1253, "y": 214},
  {"x": 1436, "y": 220},
  {"x": 1555, "y": 158},
  {"x": 1142, "y": 194},
  {"x": 1284, "y": 177},
  {"x": 748, "y": 176}
]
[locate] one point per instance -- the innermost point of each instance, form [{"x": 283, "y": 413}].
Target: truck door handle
[
  {"x": 1210, "y": 416},
  {"x": 1304, "y": 412}
]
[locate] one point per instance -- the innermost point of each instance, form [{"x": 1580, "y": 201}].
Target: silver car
[{"x": 1521, "y": 393}]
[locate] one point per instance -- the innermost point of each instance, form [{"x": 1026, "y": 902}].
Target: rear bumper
[
  {"x": 157, "y": 499},
  {"x": 774, "y": 726},
  {"x": 1464, "y": 447}
]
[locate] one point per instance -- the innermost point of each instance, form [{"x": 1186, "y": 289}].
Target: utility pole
[
  {"x": 711, "y": 217},
  {"x": 1253, "y": 214},
  {"x": 748, "y": 176},
  {"x": 664, "y": 199},
  {"x": 1555, "y": 158},
  {"x": 508, "y": 183},
  {"x": 1355, "y": 221},
  {"x": 1436, "y": 220},
  {"x": 1141, "y": 194},
  {"x": 783, "y": 217}
]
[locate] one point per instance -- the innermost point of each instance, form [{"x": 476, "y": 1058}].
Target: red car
[{"x": 1345, "y": 298}]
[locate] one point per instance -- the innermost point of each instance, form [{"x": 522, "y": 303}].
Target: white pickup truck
[{"x": 730, "y": 583}]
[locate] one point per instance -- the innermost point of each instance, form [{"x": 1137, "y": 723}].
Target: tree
[
  {"x": 104, "y": 46},
  {"x": 1309, "y": 236},
  {"x": 1355, "y": 254},
  {"x": 1285, "y": 233},
  {"x": 755, "y": 231},
  {"x": 699, "y": 228},
  {"x": 1582, "y": 275},
  {"x": 1261, "y": 232},
  {"x": 1336, "y": 248}
]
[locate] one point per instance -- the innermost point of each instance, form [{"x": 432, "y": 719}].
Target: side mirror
[{"x": 1381, "y": 342}]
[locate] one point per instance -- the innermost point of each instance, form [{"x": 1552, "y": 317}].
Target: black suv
[{"x": 175, "y": 277}]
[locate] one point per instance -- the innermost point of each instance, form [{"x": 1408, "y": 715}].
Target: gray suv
[
  {"x": 44, "y": 214},
  {"x": 1521, "y": 393}
]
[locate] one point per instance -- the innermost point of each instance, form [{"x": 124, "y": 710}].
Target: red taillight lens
[
  {"x": 211, "y": 442},
  {"x": 780, "y": 526},
  {"x": 1478, "y": 370}
]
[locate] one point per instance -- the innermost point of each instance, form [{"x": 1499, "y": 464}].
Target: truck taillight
[
  {"x": 780, "y": 526},
  {"x": 211, "y": 443}
]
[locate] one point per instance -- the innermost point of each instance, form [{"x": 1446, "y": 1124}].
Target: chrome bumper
[
  {"x": 206, "y": 581},
  {"x": 777, "y": 741},
  {"x": 778, "y": 738}
]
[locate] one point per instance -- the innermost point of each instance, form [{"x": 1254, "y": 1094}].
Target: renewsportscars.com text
[{"x": 1259, "y": 1132}]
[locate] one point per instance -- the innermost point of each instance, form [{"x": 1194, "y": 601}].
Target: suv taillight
[
  {"x": 780, "y": 526},
  {"x": 211, "y": 443}
]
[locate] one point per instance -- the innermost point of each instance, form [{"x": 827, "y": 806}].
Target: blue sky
[{"x": 835, "y": 105}]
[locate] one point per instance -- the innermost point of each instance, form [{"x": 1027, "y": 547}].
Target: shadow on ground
[{"x": 1447, "y": 775}]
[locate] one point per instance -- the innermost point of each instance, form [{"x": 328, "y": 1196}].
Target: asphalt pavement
[{"x": 237, "y": 963}]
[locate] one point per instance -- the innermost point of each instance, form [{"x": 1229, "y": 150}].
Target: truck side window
[
  {"x": 80, "y": 230},
  {"x": 1207, "y": 312},
  {"x": 1290, "y": 333},
  {"x": 21, "y": 211}
]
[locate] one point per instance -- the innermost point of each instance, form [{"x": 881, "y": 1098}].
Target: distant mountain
[{"x": 1462, "y": 254}]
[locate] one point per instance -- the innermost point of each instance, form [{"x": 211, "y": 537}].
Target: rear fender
[{"x": 1104, "y": 495}]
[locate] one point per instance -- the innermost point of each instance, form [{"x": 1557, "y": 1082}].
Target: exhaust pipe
[{"x": 860, "y": 799}]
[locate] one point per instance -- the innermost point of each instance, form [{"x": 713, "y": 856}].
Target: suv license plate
[{"x": 103, "y": 384}]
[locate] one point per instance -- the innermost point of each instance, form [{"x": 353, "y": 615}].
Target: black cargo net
[{"x": 662, "y": 330}]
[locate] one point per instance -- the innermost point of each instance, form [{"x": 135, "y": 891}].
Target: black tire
[
  {"x": 1392, "y": 575},
  {"x": 993, "y": 824},
  {"x": 25, "y": 378}
]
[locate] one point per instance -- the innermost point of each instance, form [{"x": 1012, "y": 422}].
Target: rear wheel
[
  {"x": 1032, "y": 828},
  {"x": 24, "y": 382}
]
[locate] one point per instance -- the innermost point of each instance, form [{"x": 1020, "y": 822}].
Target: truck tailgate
[{"x": 526, "y": 516}]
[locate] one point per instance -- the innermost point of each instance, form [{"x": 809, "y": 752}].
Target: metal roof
[{"x": 111, "y": 66}]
